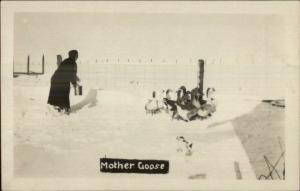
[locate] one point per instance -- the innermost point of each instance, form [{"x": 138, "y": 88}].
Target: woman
[{"x": 65, "y": 74}]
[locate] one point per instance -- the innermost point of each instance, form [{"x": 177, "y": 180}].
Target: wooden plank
[
  {"x": 25, "y": 73},
  {"x": 28, "y": 64},
  {"x": 43, "y": 64},
  {"x": 237, "y": 170},
  {"x": 198, "y": 176}
]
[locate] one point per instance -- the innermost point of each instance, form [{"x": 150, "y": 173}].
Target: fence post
[
  {"x": 28, "y": 64},
  {"x": 43, "y": 64},
  {"x": 201, "y": 77}
]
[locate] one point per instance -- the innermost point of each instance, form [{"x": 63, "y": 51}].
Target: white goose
[
  {"x": 210, "y": 106},
  {"x": 153, "y": 105}
]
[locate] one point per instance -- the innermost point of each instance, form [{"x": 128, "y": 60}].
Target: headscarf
[{"x": 73, "y": 54}]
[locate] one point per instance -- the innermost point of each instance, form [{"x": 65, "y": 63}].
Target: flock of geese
[{"x": 182, "y": 104}]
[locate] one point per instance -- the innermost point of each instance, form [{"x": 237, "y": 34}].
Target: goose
[
  {"x": 181, "y": 95},
  {"x": 170, "y": 102},
  {"x": 205, "y": 108},
  {"x": 181, "y": 114},
  {"x": 183, "y": 98},
  {"x": 160, "y": 102},
  {"x": 195, "y": 96},
  {"x": 181, "y": 102},
  {"x": 210, "y": 106},
  {"x": 152, "y": 105},
  {"x": 194, "y": 105}
]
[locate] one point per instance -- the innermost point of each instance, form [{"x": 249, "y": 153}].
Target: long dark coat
[{"x": 65, "y": 74}]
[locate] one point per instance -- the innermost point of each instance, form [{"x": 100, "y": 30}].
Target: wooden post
[
  {"x": 28, "y": 64},
  {"x": 43, "y": 64},
  {"x": 237, "y": 170},
  {"x": 201, "y": 77}
]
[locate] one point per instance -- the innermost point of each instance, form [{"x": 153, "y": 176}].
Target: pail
[{"x": 78, "y": 90}]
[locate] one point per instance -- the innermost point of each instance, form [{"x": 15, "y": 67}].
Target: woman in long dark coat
[{"x": 65, "y": 74}]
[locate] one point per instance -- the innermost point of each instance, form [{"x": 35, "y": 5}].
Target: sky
[{"x": 144, "y": 36}]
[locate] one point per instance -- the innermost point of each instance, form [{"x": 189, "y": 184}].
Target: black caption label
[{"x": 134, "y": 166}]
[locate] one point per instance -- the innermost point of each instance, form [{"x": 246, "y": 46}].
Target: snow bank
[
  {"x": 110, "y": 120},
  {"x": 113, "y": 113}
]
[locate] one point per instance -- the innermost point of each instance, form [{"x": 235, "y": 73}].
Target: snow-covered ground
[{"x": 110, "y": 120}]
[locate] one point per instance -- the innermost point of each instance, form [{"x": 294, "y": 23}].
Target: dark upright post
[
  {"x": 28, "y": 63},
  {"x": 43, "y": 64},
  {"x": 201, "y": 77}
]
